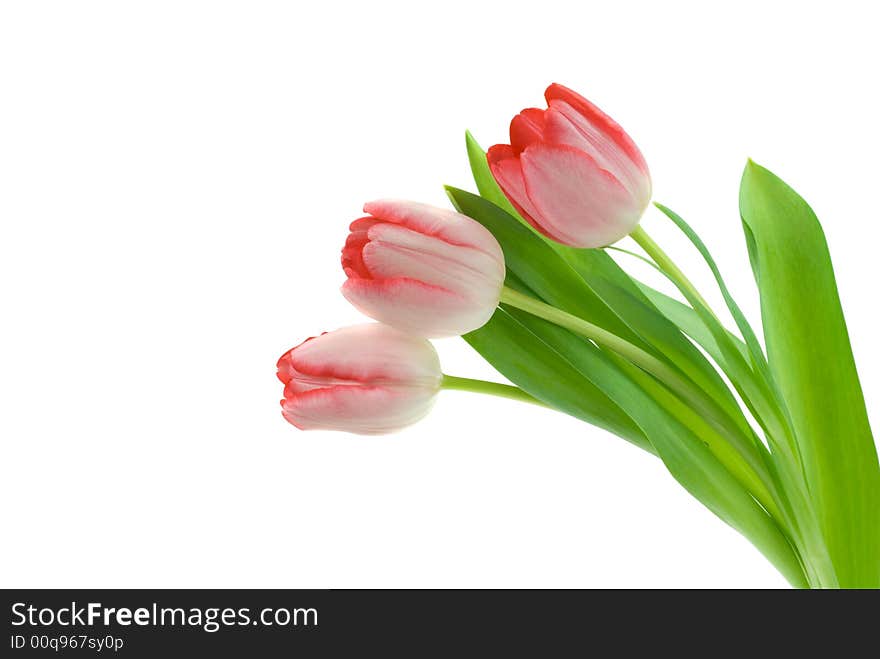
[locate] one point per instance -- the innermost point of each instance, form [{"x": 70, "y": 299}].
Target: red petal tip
[{"x": 499, "y": 152}]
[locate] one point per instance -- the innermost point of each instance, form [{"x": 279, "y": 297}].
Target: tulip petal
[
  {"x": 352, "y": 259},
  {"x": 526, "y": 128},
  {"x": 352, "y": 255},
  {"x": 579, "y": 203},
  {"x": 454, "y": 228},
  {"x": 370, "y": 353},
  {"x": 601, "y": 121},
  {"x": 285, "y": 371},
  {"x": 562, "y": 130},
  {"x": 564, "y": 125},
  {"x": 404, "y": 304},
  {"x": 507, "y": 171},
  {"x": 395, "y": 251},
  {"x": 358, "y": 409},
  {"x": 363, "y": 224}
]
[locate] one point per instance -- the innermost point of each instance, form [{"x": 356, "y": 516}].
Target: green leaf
[
  {"x": 759, "y": 361},
  {"x": 812, "y": 363},
  {"x": 693, "y": 464},
  {"x": 689, "y": 322},
  {"x": 617, "y": 289},
  {"x": 756, "y": 390},
  {"x": 545, "y": 370},
  {"x": 486, "y": 184}
]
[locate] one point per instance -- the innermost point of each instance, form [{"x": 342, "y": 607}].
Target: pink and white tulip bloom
[
  {"x": 425, "y": 270},
  {"x": 572, "y": 172},
  {"x": 366, "y": 379}
]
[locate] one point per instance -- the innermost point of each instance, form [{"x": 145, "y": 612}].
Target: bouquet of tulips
[{"x": 780, "y": 448}]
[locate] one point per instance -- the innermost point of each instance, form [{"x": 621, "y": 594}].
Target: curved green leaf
[
  {"x": 486, "y": 184},
  {"x": 811, "y": 360},
  {"x": 756, "y": 353},
  {"x": 689, "y": 322},
  {"x": 546, "y": 372}
]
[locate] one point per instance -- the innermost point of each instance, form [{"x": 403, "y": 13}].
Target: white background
[{"x": 175, "y": 184}]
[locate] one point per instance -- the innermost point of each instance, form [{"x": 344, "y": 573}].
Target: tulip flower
[
  {"x": 572, "y": 172},
  {"x": 425, "y": 270},
  {"x": 366, "y": 379}
]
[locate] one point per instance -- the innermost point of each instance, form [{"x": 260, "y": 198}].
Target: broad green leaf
[
  {"x": 628, "y": 301},
  {"x": 580, "y": 354},
  {"x": 544, "y": 371},
  {"x": 811, "y": 360}
]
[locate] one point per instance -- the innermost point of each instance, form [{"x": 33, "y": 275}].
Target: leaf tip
[
  {"x": 451, "y": 192},
  {"x": 752, "y": 174},
  {"x": 753, "y": 168}
]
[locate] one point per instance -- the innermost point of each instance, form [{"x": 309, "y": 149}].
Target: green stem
[
  {"x": 646, "y": 361},
  {"x": 666, "y": 264},
  {"x": 492, "y": 388}
]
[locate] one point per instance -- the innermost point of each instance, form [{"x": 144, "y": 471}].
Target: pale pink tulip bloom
[
  {"x": 425, "y": 270},
  {"x": 367, "y": 379},
  {"x": 572, "y": 172}
]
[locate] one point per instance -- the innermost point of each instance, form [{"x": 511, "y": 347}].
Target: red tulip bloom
[
  {"x": 425, "y": 270},
  {"x": 572, "y": 172},
  {"x": 366, "y": 379}
]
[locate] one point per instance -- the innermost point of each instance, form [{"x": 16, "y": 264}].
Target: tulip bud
[
  {"x": 425, "y": 270},
  {"x": 366, "y": 379},
  {"x": 572, "y": 172}
]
